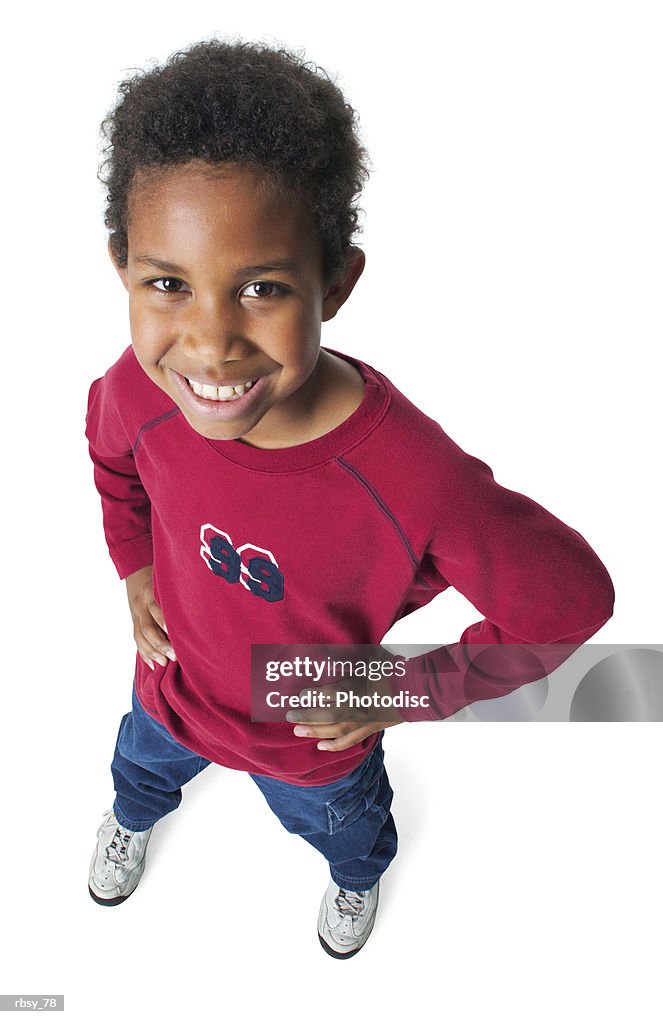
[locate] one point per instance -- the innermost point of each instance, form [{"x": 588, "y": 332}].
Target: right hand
[{"x": 149, "y": 627}]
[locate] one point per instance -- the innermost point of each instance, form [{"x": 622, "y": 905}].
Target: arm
[
  {"x": 127, "y": 519},
  {"x": 535, "y": 579},
  {"x": 126, "y": 508}
]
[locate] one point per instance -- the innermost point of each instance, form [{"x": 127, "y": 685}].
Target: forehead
[{"x": 202, "y": 210}]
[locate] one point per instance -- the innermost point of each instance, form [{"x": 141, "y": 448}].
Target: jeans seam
[
  {"x": 140, "y": 826},
  {"x": 331, "y": 817},
  {"x": 356, "y": 884}
]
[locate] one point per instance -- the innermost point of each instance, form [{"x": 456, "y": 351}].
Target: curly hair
[{"x": 243, "y": 103}]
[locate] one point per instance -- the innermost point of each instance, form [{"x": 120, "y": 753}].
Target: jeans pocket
[{"x": 345, "y": 809}]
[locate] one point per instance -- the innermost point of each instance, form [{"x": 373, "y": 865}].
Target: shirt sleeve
[
  {"x": 126, "y": 508},
  {"x": 541, "y": 587}
]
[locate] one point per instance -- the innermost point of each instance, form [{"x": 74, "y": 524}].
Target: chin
[{"x": 223, "y": 432}]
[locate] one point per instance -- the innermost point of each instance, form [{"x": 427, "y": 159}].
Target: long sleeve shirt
[{"x": 327, "y": 542}]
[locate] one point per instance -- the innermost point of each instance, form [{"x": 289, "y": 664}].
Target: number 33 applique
[{"x": 260, "y": 575}]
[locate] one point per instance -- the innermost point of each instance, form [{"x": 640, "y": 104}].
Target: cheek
[
  {"x": 299, "y": 336},
  {"x": 148, "y": 334},
  {"x": 297, "y": 353}
]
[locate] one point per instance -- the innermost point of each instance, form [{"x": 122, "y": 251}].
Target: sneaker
[
  {"x": 346, "y": 919},
  {"x": 117, "y": 862}
]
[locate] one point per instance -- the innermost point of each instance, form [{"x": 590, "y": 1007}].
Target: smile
[
  {"x": 225, "y": 393},
  {"x": 219, "y": 404}
]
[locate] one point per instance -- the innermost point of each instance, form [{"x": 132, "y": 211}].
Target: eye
[
  {"x": 172, "y": 285},
  {"x": 265, "y": 292}
]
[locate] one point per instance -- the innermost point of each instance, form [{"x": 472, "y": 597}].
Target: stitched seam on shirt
[
  {"x": 128, "y": 544},
  {"x": 323, "y": 462},
  {"x": 384, "y": 508},
  {"x": 153, "y": 423}
]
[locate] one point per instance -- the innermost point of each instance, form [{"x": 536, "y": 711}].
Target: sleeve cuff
[{"x": 132, "y": 555}]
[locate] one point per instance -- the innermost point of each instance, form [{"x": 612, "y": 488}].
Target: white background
[{"x": 512, "y": 290}]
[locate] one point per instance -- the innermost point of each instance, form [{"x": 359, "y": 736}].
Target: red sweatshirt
[{"x": 327, "y": 542}]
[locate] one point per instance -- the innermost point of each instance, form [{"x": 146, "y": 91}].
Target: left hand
[
  {"x": 338, "y": 728},
  {"x": 338, "y": 735}
]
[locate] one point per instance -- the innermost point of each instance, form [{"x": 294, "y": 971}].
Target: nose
[{"x": 214, "y": 332}]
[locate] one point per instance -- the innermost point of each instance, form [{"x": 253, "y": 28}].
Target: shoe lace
[
  {"x": 117, "y": 851},
  {"x": 351, "y": 903}
]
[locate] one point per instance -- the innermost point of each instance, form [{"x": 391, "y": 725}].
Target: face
[{"x": 225, "y": 291}]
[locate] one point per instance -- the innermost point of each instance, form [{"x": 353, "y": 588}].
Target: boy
[{"x": 259, "y": 488}]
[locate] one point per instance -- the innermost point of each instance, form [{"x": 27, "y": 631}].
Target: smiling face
[{"x": 225, "y": 288}]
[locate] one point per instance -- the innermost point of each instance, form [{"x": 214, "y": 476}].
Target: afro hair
[{"x": 245, "y": 103}]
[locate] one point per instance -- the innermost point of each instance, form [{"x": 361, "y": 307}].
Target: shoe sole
[
  {"x": 335, "y": 954},
  {"x": 109, "y": 903},
  {"x": 115, "y": 900}
]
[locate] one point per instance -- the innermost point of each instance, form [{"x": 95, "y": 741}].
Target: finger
[
  {"x": 162, "y": 641},
  {"x": 348, "y": 739},
  {"x": 328, "y": 713},
  {"x": 316, "y": 716},
  {"x": 152, "y": 641},
  {"x": 146, "y": 652},
  {"x": 156, "y": 613},
  {"x": 147, "y": 660},
  {"x": 314, "y": 721},
  {"x": 326, "y": 730}
]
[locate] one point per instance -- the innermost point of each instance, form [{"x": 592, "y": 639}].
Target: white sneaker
[
  {"x": 346, "y": 919},
  {"x": 117, "y": 863}
]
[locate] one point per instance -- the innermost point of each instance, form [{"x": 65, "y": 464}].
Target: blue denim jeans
[{"x": 349, "y": 821}]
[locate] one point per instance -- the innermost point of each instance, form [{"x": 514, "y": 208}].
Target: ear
[
  {"x": 122, "y": 271},
  {"x": 340, "y": 289}
]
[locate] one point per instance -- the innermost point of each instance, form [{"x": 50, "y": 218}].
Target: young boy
[{"x": 259, "y": 488}]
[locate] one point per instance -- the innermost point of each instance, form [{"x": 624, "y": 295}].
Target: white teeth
[{"x": 224, "y": 394}]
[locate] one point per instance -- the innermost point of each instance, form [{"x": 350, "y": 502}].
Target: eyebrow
[{"x": 260, "y": 268}]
